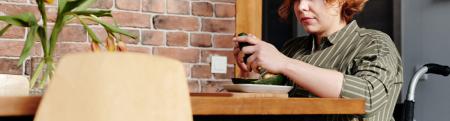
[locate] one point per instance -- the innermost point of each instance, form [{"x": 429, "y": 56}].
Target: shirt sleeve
[{"x": 370, "y": 75}]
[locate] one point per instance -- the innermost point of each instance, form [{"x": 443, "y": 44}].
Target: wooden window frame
[{"x": 248, "y": 20}]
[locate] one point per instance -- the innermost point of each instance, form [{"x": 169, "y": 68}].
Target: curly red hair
[{"x": 349, "y": 8}]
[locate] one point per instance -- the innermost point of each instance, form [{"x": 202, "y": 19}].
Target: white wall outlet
[{"x": 219, "y": 64}]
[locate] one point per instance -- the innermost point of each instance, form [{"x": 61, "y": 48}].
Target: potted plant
[{"x": 68, "y": 11}]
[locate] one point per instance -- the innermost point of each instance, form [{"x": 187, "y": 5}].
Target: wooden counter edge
[
  {"x": 27, "y": 106},
  {"x": 275, "y": 106},
  {"x": 19, "y": 105}
]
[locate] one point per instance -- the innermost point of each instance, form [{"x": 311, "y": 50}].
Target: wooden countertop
[
  {"x": 275, "y": 106},
  {"x": 211, "y": 105},
  {"x": 19, "y": 105}
]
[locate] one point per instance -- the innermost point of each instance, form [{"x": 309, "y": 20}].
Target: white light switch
[{"x": 219, "y": 64}]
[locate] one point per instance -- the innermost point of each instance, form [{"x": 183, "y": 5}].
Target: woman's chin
[{"x": 310, "y": 29}]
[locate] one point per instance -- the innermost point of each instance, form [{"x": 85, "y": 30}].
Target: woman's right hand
[{"x": 239, "y": 57}]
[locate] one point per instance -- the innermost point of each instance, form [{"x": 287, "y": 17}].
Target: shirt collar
[
  {"x": 334, "y": 38},
  {"x": 346, "y": 31}
]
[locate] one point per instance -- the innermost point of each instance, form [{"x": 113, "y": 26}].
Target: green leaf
[
  {"x": 43, "y": 37},
  {"x": 111, "y": 28},
  {"x": 14, "y": 21},
  {"x": 98, "y": 13},
  {"x": 57, "y": 28},
  {"x": 76, "y": 5},
  {"x": 29, "y": 43},
  {"x": 24, "y": 20},
  {"x": 90, "y": 32},
  {"x": 68, "y": 18},
  {"x": 41, "y": 7},
  {"x": 85, "y": 4},
  {"x": 5, "y": 29},
  {"x": 61, "y": 6}
]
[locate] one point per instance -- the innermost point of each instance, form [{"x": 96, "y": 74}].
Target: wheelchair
[{"x": 405, "y": 111}]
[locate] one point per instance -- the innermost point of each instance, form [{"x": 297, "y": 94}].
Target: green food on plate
[{"x": 272, "y": 80}]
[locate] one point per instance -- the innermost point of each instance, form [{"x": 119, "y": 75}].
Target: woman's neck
[{"x": 338, "y": 26}]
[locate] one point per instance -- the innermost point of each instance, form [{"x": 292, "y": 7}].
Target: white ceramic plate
[{"x": 257, "y": 88}]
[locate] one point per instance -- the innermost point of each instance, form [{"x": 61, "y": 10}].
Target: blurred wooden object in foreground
[{"x": 108, "y": 86}]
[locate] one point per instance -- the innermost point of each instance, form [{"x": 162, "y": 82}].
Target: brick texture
[
  {"x": 138, "y": 49},
  {"x": 102, "y": 4},
  {"x": 155, "y": 38},
  {"x": 223, "y": 41},
  {"x": 129, "y": 19},
  {"x": 14, "y": 48},
  {"x": 201, "y": 40},
  {"x": 9, "y": 66},
  {"x": 11, "y": 9},
  {"x": 225, "y": 10},
  {"x": 13, "y": 32},
  {"x": 187, "y": 69},
  {"x": 201, "y": 71},
  {"x": 186, "y": 30},
  {"x": 72, "y": 34},
  {"x": 177, "y": 39},
  {"x": 17, "y": 1},
  {"x": 10, "y": 48},
  {"x": 187, "y": 55},
  {"x": 157, "y": 6},
  {"x": 133, "y": 5},
  {"x": 217, "y": 25},
  {"x": 176, "y": 23},
  {"x": 178, "y": 7},
  {"x": 66, "y": 48},
  {"x": 202, "y": 9},
  {"x": 130, "y": 40},
  {"x": 194, "y": 86}
]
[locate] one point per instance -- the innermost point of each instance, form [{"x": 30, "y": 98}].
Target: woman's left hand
[{"x": 263, "y": 55}]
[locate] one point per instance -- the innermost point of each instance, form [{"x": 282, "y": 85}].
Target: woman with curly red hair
[{"x": 338, "y": 59}]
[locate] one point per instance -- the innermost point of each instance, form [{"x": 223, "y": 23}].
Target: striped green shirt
[{"x": 370, "y": 63}]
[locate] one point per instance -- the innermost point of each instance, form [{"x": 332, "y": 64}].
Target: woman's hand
[{"x": 263, "y": 55}]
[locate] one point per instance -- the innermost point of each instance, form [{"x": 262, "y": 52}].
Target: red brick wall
[{"x": 187, "y": 30}]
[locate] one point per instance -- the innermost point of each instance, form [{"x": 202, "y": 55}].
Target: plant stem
[
  {"x": 48, "y": 73},
  {"x": 48, "y": 56},
  {"x": 36, "y": 73},
  {"x": 41, "y": 6},
  {"x": 54, "y": 36}
]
